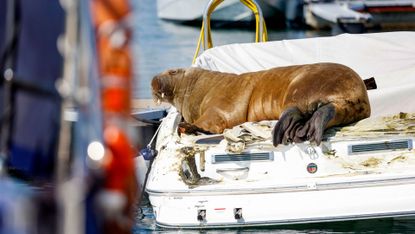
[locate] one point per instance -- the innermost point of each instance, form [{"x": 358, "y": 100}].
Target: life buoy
[{"x": 113, "y": 36}]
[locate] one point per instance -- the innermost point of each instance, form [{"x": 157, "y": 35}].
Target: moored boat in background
[
  {"x": 228, "y": 12},
  {"x": 359, "y": 15}
]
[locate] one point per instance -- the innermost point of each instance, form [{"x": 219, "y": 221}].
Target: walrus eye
[{"x": 172, "y": 72}]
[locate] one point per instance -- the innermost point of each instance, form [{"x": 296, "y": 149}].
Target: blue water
[{"x": 159, "y": 45}]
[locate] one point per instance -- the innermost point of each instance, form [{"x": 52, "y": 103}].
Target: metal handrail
[{"x": 205, "y": 34}]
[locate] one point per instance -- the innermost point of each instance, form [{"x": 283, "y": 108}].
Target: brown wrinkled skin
[{"x": 214, "y": 101}]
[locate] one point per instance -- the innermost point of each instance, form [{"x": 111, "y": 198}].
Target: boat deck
[{"x": 241, "y": 158}]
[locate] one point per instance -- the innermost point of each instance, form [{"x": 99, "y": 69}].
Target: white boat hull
[
  {"x": 228, "y": 11},
  {"x": 263, "y": 208},
  {"x": 329, "y": 15},
  {"x": 280, "y": 189},
  {"x": 360, "y": 15},
  {"x": 184, "y": 10}
]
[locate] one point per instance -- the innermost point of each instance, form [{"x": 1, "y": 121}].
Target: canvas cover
[{"x": 389, "y": 57}]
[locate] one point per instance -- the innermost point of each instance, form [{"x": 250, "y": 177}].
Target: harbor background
[{"x": 160, "y": 45}]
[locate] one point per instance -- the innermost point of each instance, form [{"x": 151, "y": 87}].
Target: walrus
[{"x": 305, "y": 99}]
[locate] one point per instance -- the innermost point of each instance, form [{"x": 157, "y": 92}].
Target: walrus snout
[
  {"x": 163, "y": 85},
  {"x": 156, "y": 90}
]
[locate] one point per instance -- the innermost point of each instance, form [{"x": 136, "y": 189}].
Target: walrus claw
[{"x": 294, "y": 126}]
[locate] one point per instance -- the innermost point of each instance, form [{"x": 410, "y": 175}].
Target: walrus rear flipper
[
  {"x": 294, "y": 126},
  {"x": 289, "y": 121}
]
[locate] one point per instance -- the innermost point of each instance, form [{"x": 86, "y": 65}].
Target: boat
[
  {"x": 359, "y": 15},
  {"x": 238, "y": 179},
  {"x": 230, "y": 11},
  {"x": 322, "y": 15}
]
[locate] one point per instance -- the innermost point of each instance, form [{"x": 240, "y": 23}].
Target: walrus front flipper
[
  {"x": 294, "y": 126},
  {"x": 188, "y": 128},
  {"x": 288, "y": 123}
]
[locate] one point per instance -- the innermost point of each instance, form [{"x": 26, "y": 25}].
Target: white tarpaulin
[{"x": 388, "y": 57}]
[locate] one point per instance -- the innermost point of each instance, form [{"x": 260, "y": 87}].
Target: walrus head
[{"x": 163, "y": 85}]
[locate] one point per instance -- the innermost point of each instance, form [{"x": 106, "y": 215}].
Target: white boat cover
[{"x": 388, "y": 57}]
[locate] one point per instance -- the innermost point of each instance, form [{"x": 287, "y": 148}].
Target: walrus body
[{"x": 305, "y": 98}]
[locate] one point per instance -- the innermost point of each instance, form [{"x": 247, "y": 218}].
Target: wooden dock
[{"x": 139, "y": 104}]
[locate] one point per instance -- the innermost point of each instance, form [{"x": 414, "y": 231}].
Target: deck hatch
[
  {"x": 224, "y": 158},
  {"x": 381, "y": 146}
]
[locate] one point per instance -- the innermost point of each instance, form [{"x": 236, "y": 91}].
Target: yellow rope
[
  {"x": 254, "y": 9},
  {"x": 198, "y": 45},
  {"x": 247, "y": 3},
  {"x": 201, "y": 35}
]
